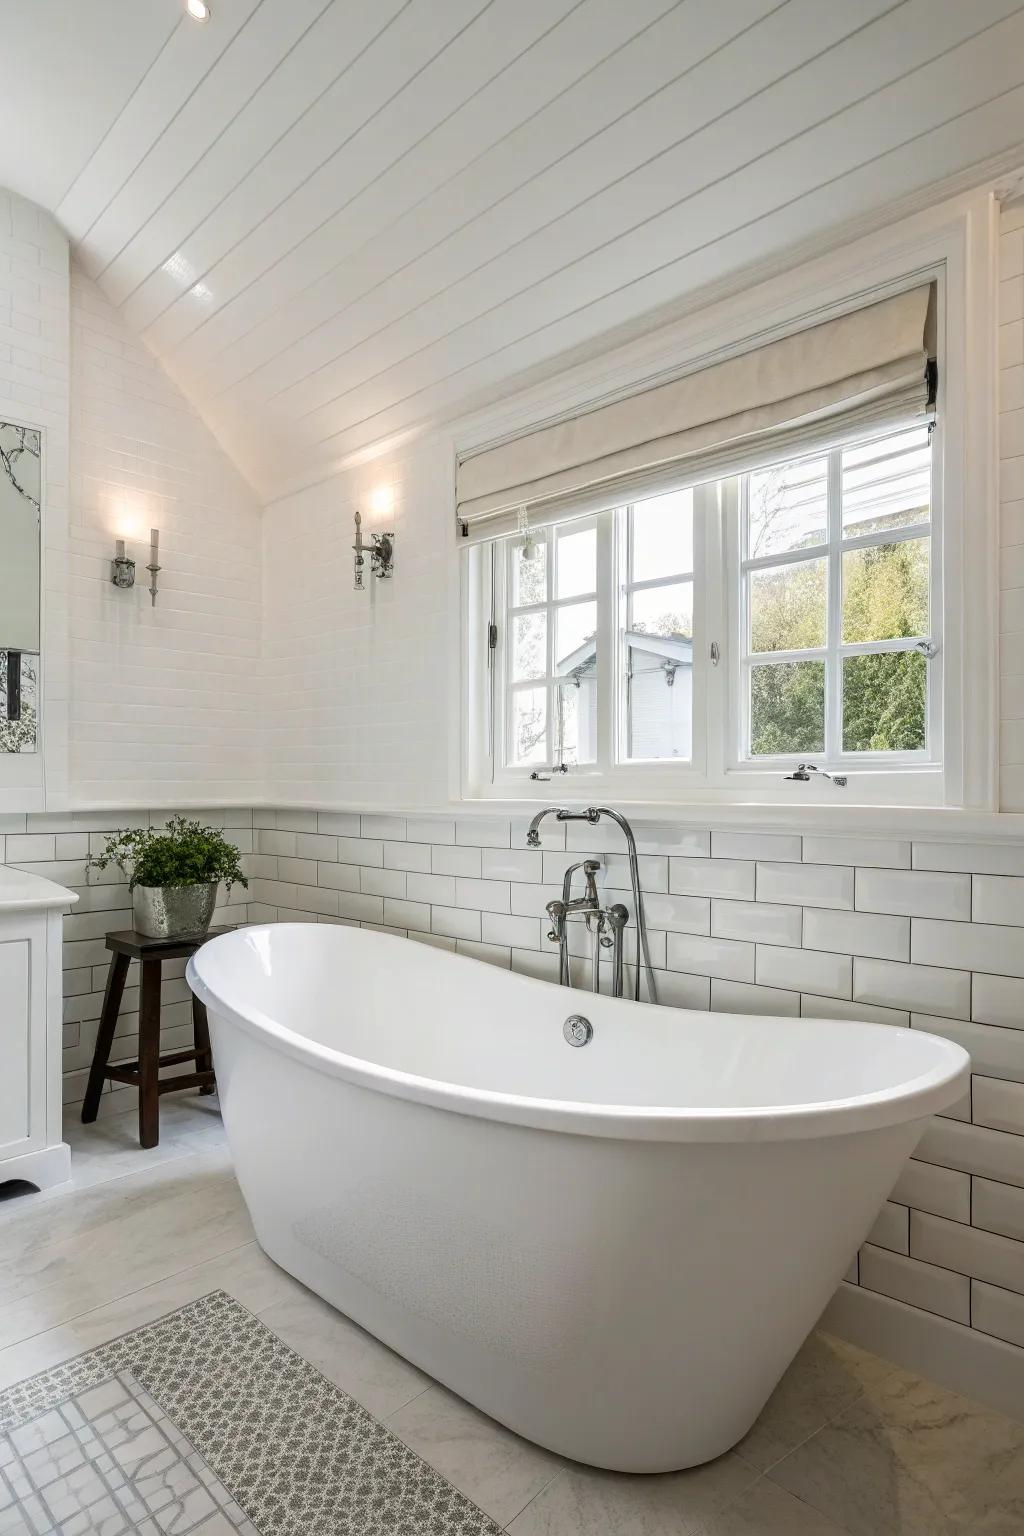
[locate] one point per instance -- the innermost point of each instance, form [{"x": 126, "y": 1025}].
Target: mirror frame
[{"x": 37, "y": 781}]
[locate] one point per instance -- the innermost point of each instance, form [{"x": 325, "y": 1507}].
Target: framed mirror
[{"x": 20, "y": 545}]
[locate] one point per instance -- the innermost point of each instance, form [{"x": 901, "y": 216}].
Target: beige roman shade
[{"x": 864, "y": 367}]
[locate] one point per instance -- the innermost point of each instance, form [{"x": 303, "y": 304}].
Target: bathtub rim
[{"x": 916, "y": 1098}]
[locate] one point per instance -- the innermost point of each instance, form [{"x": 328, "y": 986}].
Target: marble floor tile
[
  {"x": 768, "y": 1510},
  {"x": 824, "y": 1379},
  {"x": 497, "y": 1469},
  {"x": 346, "y": 1354},
  {"x": 70, "y": 1256},
  {"x": 32, "y": 1225},
  {"x": 245, "y": 1273},
  {"x": 582, "y": 1501},
  {"x": 911, "y": 1459},
  {"x": 109, "y": 1148}
]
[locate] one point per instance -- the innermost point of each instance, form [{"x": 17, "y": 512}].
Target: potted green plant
[{"x": 173, "y": 875}]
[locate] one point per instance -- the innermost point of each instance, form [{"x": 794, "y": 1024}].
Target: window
[
  {"x": 656, "y": 627},
  {"x": 712, "y": 637},
  {"x": 836, "y": 606},
  {"x": 551, "y": 622}
]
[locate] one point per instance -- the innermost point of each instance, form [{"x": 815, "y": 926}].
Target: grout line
[
  {"x": 113, "y": 1301},
  {"x": 432, "y": 1381},
  {"x": 557, "y": 1473}
]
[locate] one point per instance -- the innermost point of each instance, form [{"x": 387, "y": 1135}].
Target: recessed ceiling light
[{"x": 198, "y": 10}]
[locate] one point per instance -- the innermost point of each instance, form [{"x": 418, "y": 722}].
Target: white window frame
[
  {"x": 953, "y": 244},
  {"x": 832, "y": 757},
  {"x": 623, "y": 588},
  {"x": 719, "y": 763},
  {"x": 505, "y": 614}
]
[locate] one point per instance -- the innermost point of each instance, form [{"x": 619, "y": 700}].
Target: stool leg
[
  {"x": 112, "y": 995},
  {"x": 149, "y": 1054},
  {"x": 201, "y": 1031}
]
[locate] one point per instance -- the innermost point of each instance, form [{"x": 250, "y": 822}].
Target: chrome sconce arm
[{"x": 359, "y": 561}]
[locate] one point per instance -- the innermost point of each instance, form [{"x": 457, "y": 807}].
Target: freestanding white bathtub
[{"x": 615, "y": 1250}]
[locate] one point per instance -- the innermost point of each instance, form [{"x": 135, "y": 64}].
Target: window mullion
[
  {"x": 607, "y": 641},
  {"x": 784, "y": 557},
  {"x": 833, "y": 664},
  {"x": 494, "y": 575},
  {"x": 722, "y": 581},
  {"x": 554, "y": 752}
]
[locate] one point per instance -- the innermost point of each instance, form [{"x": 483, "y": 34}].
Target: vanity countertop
[{"x": 20, "y": 891}]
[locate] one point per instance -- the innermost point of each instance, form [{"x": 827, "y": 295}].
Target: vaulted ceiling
[{"x": 333, "y": 220}]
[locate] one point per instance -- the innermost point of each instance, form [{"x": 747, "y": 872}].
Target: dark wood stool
[{"x": 144, "y": 1074}]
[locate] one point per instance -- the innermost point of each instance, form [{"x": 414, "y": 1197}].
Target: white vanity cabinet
[{"x": 31, "y": 1144}]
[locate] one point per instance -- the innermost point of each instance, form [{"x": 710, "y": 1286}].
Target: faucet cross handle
[{"x": 556, "y": 912}]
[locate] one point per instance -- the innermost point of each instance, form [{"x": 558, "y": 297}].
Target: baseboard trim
[
  {"x": 974, "y": 1364},
  {"x": 45, "y": 1167}
]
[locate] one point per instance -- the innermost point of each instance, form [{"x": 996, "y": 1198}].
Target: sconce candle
[
  {"x": 154, "y": 562},
  {"x": 122, "y": 567}
]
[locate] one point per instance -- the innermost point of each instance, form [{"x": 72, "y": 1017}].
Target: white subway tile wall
[{"x": 57, "y": 845}]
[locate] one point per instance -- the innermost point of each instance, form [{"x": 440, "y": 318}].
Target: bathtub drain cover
[{"x": 577, "y": 1030}]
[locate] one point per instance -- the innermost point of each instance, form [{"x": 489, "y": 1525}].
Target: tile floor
[{"x": 849, "y": 1445}]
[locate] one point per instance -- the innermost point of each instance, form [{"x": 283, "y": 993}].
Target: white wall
[
  {"x": 356, "y": 692},
  {"x": 156, "y": 704},
  {"x": 166, "y": 700},
  {"x": 1011, "y": 495}
]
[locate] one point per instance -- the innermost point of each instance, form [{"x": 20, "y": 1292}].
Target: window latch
[
  {"x": 542, "y": 776},
  {"x": 803, "y": 771},
  {"x": 715, "y": 653}
]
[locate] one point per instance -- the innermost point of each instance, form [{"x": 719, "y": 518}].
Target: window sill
[
  {"x": 820, "y": 817},
  {"x": 923, "y": 823}
]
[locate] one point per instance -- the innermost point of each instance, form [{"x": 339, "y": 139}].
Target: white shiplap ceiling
[{"x": 333, "y": 220}]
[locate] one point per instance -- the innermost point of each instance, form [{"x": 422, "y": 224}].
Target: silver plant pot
[{"x": 166, "y": 911}]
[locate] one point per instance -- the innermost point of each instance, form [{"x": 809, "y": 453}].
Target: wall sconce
[
  {"x": 122, "y": 567},
  {"x": 382, "y": 555}
]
